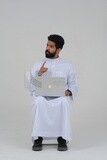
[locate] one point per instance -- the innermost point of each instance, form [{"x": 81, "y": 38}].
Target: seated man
[{"x": 51, "y": 116}]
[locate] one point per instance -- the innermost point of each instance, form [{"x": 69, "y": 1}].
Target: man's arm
[{"x": 72, "y": 82}]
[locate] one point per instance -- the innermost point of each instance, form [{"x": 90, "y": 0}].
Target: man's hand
[
  {"x": 68, "y": 93},
  {"x": 42, "y": 69}
]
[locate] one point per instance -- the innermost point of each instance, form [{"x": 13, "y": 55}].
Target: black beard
[{"x": 49, "y": 55}]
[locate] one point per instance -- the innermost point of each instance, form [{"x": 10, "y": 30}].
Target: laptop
[{"x": 50, "y": 86}]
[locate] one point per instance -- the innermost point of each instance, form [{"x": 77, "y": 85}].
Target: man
[{"x": 51, "y": 116}]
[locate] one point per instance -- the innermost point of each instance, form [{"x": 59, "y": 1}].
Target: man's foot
[
  {"x": 37, "y": 144},
  {"x": 62, "y": 146}
]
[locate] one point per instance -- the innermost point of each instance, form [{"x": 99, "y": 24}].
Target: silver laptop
[{"x": 50, "y": 86}]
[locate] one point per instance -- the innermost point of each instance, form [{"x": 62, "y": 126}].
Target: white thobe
[{"x": 51, "y": 116}]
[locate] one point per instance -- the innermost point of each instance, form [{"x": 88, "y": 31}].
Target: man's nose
[{"x": 47, "y": 48}]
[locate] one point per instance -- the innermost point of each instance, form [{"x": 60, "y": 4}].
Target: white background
[{"x": 24, "y": 27}]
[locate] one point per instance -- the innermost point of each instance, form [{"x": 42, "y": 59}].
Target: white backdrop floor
[
  {"x": 17, "y": 146},
  {"x": 15, "y": 140}
]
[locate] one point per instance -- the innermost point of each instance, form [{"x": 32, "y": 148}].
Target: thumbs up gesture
[{"x": 42, "y": 69}]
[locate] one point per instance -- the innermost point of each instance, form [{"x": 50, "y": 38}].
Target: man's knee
[{"x": 36, "y": 102}]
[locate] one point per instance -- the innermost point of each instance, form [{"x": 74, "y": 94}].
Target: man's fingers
[
  {"x": 43, "y": 64},
  {"x": 43, "y": 69},
  {"x": 46, "y": 68},
  {"x": 66, "y": 93}
]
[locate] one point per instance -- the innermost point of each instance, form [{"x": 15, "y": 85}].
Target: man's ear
[{"x": 59, "y": 49}]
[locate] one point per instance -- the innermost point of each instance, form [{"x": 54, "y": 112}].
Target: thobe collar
[{"x": 52, "y": 60}]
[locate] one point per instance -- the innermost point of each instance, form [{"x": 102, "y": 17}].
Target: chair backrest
[{"x": 27, "y": 78}]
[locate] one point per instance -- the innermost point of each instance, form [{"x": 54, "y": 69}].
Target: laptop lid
[{"x": 50, "y": 86}]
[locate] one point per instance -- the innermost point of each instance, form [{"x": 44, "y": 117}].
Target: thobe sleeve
[{"x": 72, "y": 82}]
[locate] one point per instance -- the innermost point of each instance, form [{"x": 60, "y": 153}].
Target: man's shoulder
[
  {"x": 66, "y": 62},
  {"x": 69, "y": 65}
]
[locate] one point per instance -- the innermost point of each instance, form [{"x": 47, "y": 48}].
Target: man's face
[{"x": 51, "y": 50}]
